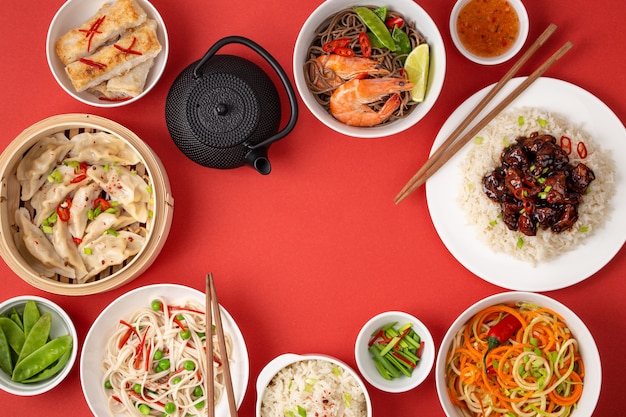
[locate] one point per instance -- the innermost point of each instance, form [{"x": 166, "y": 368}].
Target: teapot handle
[{"x": 293, "y": 103}]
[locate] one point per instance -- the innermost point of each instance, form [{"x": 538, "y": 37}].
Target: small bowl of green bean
[
  {"x": 38, "y": 345},
  {"x": 394, "y": 351}
]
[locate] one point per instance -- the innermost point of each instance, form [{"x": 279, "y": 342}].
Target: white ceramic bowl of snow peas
[
  {"x": 398, "y": 338},
  {"x": 47, "y": 343}
]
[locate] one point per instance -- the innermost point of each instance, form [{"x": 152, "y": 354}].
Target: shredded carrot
[{"x": 526, "y": 358}]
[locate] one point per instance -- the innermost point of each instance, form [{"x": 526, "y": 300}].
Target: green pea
[
  {"x": 185, "y": 335},
  {"x": 108, "y": 385},
  {"x": 30, "y": 316},
  {"x": 37, "y": 337},
  {"x": 5, "y": 354},
  {"x": 176, "y": 380},
  {"x": 197, "y": 391},
  {"x": 157, "y": 305},
  {"x": 158, "y": 355},
  {"x": 164, "y": 364},
  {"x": 200, "y": 405},
  {"x": 189, "y": 365},
  {"x": 137, "y": 388},
  {"x": 13, "y": 333},
  {"x": 180, "y": 317},
  {"x": 41, "y": 358},
  {"x": 55, "y": 369},
  {"x": 170, "y": 408},
  {"x": 144, "y": 409}
]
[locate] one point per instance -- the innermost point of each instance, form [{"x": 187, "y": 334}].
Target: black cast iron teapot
[{"x": 224, "y": 111}]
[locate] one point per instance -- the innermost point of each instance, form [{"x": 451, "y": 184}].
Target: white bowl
[
  {"x": 425, "y": 25},
  {"x": 587, "y": 347},
  {"x": 61, "y": 325},
  {"x": 71, "y": 15},
  {"x": 366, "y": 364},
  {"x": 510, "y": 53},
  {"x": 92, "y": 374},
  {"x": 277, "y": 364}
]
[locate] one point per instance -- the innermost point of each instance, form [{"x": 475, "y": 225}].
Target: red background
[{"x": 305, "y": 256}]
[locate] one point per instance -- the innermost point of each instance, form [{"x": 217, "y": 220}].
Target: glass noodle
[
  {"x": 347, "y": 24},
  {"x": 171, "y": 382}
]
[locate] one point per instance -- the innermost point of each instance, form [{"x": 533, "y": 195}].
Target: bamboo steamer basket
[{"x": 157, "y": 227}]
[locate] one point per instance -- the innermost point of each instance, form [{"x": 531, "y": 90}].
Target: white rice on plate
[
  {"x": 319, "y": 387},
  {"x": 484, "y": 156}
]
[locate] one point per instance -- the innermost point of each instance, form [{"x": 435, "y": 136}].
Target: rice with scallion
[
  {"x": 484, "y": 156},
  {"x": 313, "y": 388}
]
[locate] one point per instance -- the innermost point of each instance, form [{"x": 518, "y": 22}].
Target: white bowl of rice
[{"x": 310, "y": 385}]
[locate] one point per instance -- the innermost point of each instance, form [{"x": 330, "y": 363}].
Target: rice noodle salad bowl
[{"x": 313, "y": 385}]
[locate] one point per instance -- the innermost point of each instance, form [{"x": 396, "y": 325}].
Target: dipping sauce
[{"x": 488, "y": 28}]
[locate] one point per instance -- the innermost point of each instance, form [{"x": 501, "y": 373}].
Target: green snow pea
[
  {"x": 13, "y": 333},
  {"x": 37, "y": 337},
  {"x": 30, "y": 316},
  {"x": 5, "y": 354},
  {"x": 15, "y": 316},
  {"x": 51, "y": 371},
  {"x": 42, "y": 358}
]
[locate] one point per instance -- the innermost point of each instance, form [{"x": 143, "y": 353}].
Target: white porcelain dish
[
  {"x": 587, "y": 345},
  {"x": 71, "y": 15},
  {"x": 277, "y": 364},
  {"x": 510, "y": 53},
  {"x": 569, "y": 268},
  {"x": 62, "y": 324},
  {"x": 92, "y": 374},
  {"x": 426, "y": 26},
  {"x": 366, "y": 364}
]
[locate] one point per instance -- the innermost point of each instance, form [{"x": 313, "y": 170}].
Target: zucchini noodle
[
  {"x": 171, "y": 382},
  {"x": 537, "y": 372}
]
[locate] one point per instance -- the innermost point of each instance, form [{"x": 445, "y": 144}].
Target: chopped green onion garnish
[
  {"x": 520, "y": 120},
  {"x": 542, "y": 122},
  {"x": 87, "y": 251},
  {"x": 520, "y": 243}
]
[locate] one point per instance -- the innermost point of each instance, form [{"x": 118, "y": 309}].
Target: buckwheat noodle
[
  {"x": 346, "y": 23},
  {"x": 132, "y": 383},
  {"x": 537, "y": 372}
]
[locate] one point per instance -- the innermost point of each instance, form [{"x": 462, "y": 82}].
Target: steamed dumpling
[
  {"x": 104, "y": 222},
  {"x": 39, "y": 246},
  {"x": 66, "y": 248},
  {"x": 52, "y": 193},
  {"x": 82, "y": 202},
  {"x": 110, "y": 249},
  {"x": 101, "y": 148},
  {"x": 39, "y": 161},
  {"x": 126, "y": 187}
]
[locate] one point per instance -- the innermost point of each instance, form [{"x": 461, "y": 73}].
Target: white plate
[
  {"x": 91, "y": 372},
  {"x": 594, "y": 117}
]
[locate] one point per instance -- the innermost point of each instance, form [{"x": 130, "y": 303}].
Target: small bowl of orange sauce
[{"x": 489, "y": 32}]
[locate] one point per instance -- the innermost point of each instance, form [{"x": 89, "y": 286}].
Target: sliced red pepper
[
  {"x": 344, "y": 51},
  {"x": 63, "y": 210},
  {"x": 420, "y": 350},
  {"x": 124, "y": 338},
  {"x": 89, "y": 33},
  {"x": 377, "y": 336},
  {"x": 91, "y": 63},
  {"x": 78, "y": 178},
  {"x": 139, "y": 350},
  {"x": 128, "y": 50},
  {"x": 366, "y": 46},
  {"x": 394, "y": 21},
  {"x": 102, "y": 203},
  {"x": 180, "y": 324},
  {"x": 336, "y": 43},
  {"x": 403, "y": 359},
  {"x": 581, "y": 149},
  {"x": 176, "y": 308},
  {"x": 566, "y": 145}
]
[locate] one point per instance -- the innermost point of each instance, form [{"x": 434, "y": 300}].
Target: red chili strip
[
  {"x": 403, "y": 359},
  {"x": 366, "y": 46},
  {"x": 92, "y": 31},
  {"x": 114, "y": 99},
  {"x": 374, "y": 338},
  {"x": 176, "y": 308},
  {"x": 420, "y": 350},
  {"x": 130, "y": 326},
  {"x": 566, "y": 144},
  {"x": 125, "y": 338},
  {"x": 78, "y": 178},
  {"x": 336, "y": 43},
  {"x": 581, "y": 149},
  {"x": 91, "y": 63},
  {"x": 180, "y": 324},
  {"x": 139, "y": 350},
  {"x": 128, "y": 50}
]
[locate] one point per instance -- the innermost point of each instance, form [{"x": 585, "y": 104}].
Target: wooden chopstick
[
  {"x": 419, "y": 178},
  {"x": 212, "y": 304}
]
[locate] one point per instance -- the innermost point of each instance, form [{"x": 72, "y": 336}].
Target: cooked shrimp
[
  {"x": 334, "y": 69},
  {"x": 349, "y": 102}
]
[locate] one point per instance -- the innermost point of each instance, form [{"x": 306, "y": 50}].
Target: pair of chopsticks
[
  {"x": 213, "y": 309},
  {"x": 451, "y": 146}
]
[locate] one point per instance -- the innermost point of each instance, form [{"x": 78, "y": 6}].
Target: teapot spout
[{"x": 257, "y": 159}]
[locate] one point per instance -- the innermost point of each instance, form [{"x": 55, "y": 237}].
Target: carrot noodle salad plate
[{"x": 515, "y": 359}]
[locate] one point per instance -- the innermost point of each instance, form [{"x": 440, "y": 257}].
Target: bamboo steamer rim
[{"x": 163, "y": 204}]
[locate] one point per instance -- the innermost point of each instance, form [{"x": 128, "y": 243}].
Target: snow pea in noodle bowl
[{"x": 346, "y": 24}]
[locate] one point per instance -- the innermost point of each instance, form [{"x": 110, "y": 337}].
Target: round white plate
[
  {"x": 582, "y": 108},
  {"x": 92, "y": 374}
]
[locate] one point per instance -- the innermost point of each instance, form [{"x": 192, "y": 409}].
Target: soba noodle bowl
[
  {"x": 155, "y": 362},
  {"x": 347, "y": 24}
]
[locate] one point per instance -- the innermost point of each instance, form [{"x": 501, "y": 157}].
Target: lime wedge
[
  {"x": 377, "y": 26},
  {"x": 416, "y": 67}
]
